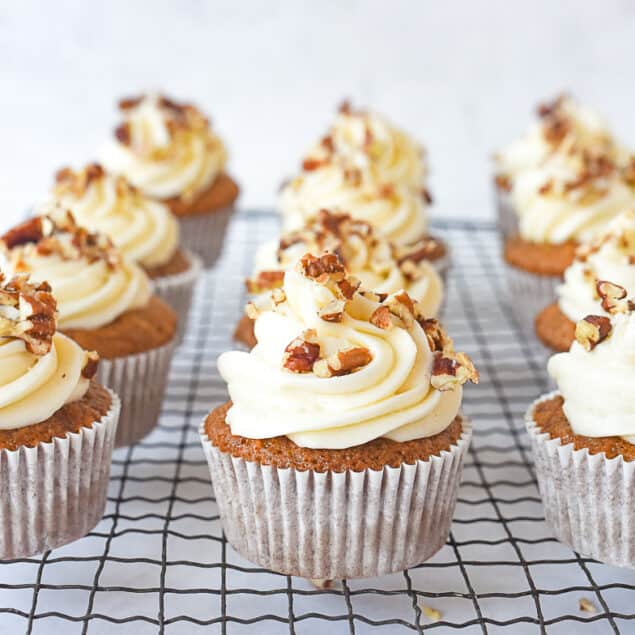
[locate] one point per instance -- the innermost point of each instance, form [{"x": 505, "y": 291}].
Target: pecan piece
[
  {"x": 438, "y": 339},
  {"x": 333, "y": 311},
  {"x": 301, "y": 354},
  {"x": 343, "y": 362},
  {"x": 309, "y": 164},
  {"x": 503, "y": 182},
  {"x": 448, "y": 372},
  {"x": 382, "y": 317},
  {"x": 321, "y": 269},
  {"x": 123, "y": 133},
  {"x": 264, "y": 281},
  {"x": 592, "y": 330},
  {"x": 613, "y": 297},
  {"x": 30, "y": 231},
  {"x": 90, "y": 364},
  {"x": 349, "y": 286}
]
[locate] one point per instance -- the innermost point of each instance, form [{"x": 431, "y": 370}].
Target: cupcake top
[
  {"x": 379, "y": 265},
  {"x": 166, "y": 149},
  {"x": 92, "y": 283},
  {"x": 368, "y": 141},
  {"x": 142, "y": 229},
  {"x": 611, "y": 257},
  {"x": 40, "y": 370},
  {"x": 596, "y": 377},
  {"x": 396, "y": 210},
  {"x": 336, "y": 366},
  {"x": 564, "y": 126},
  {"x": 572, "y": 196}
]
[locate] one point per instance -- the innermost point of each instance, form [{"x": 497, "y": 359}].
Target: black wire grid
[{"x": 159, "y": 561}]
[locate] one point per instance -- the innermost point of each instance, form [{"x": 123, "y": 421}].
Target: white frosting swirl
[
  {"x": 397, "y": 211},
  {"x": 552, "y": 212},
  {"x": 369, "y": 141},
  {"x": 597, "y": 385},
  {"x": 172, "y": 150},
  {"x": 389, "y": 397},
  {"x": 34, "y": 387},
  {"x": 611, "y": 258},
  {"x": 144, "y": 230},
  {"x": 89, "y": 294}
]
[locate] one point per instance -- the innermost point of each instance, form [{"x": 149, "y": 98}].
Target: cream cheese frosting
[
  {"x": 369, "y": 142},
  {"x": 379, "y": 265},
  {"x": 572, "y": 197},
  {"x": 92, "y": 283},
  {"x": 396, "y": 210},
  {"x": 164, "y": 148},
  {"x": 335, "y": 367},
  {"x": 40, "y": 370},
  {"x": 596, "y": 377},
  {"x": 144, "y": 230},
  {"x": 611, "y": 257},
  {"x": 564, "y": 126}
]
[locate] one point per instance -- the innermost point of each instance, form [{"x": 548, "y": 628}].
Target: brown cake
[
  {"x": 540, "y": 258},
  {"x": 222, "y": 193},
  {"x": 554, "y": 329}
]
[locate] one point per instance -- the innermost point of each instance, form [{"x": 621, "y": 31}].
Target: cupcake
[
  {"x": 57, "y": 427},
  {"x": 341, "y": 451},
  {"x": 370, "y": 170},
  {"x": 105, "y": 303},
  {"x": 564, "y": 126},
  {"x": 611, "y": 257},
  {"x": 373, "y": 260},
  {"x": 169, "y": 151},
  {"x": 143, "y": 230},
  {"x": 583, "y": 436}
]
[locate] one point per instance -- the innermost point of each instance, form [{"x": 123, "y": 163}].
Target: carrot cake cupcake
[
  {"x": 564, "y": 126},
  {"x": 612, "y": 257},
  {"x": 144, "y": 230},
  {"x": 57, "y": 426},
  {"x": 583, "y": 436},
  {"x": 379, "y": 265},
  {"x": 385, "y": 190},
  {"x": 344, "y": 424},
  {"x": 169, "y": 151},
  {"x": 105, "y": 303}
]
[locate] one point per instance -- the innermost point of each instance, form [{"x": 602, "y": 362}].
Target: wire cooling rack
[{"x": 158, "y": 562}]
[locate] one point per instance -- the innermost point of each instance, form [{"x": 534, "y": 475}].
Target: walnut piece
[{"x": 592, "y": 330}]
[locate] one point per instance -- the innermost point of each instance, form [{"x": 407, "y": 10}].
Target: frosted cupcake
[
  {"x": 169, "y": 151},
  {"x": 105, "y": 303},
  {"x": 57, "y": 427},
  {"x": 583, "y": 436},
  {"x": 344, "y": 425},
  {"x": 385, "y": 190},
  {"x": 373, "y": 260},
  {"x": 143, "y": 230},
  {"x": 612, "y": 257},
  {"x": 564, "y": 126}
]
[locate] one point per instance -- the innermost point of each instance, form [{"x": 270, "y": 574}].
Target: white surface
[{"x": 462, "y": 76}]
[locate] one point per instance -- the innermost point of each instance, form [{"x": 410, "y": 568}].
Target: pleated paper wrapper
[
  {"x": 335, "y": 525},
  {"x": 204, "y": 234},
  {"x": 55, "y": 492},
  {"x": 588, "y": 499},
  {"x": 178, "y": 290},
  {"x": 140, "y": 381}
]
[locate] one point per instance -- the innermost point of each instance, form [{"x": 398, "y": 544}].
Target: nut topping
[
  {"x": 592, "y": 330},
  {"x": 301, "y": 354},
  {"x": 90, "y": 365},
  {"x": 323, "y": 268},
  {"x": 265, "y": 281},
  {"x": 333, "y": 311},
  {"x": 448, "y": 372},
  {"x": 382, "y": 318},
  {"x": 343, "y": 362},
  {"x": 613, "y": 297}
]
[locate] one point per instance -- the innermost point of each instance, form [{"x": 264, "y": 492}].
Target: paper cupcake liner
[
  {"x": 529, "y": 294},
  {"x": 204, "y": 234},
  {"x": 140, "y": 382},
  {"x": 178, "y": 290},
  {"x": 337, "y": 525},
  {"x": 506, "y": 214},
  {"x": 55, "y": 492},
  {"x": 588, "y": 499}
]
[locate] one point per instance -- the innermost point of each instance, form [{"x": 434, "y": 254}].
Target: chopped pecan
[
  {"x": 343, "y": 362},
  {"x": 345, "y": 107},
  {"x": 382, "y": 317},
  {"x": 402, "y": 306},
  {"x": 448, "y": 372},
  {"x": 90, "y": 364},
  {"x": 265, "y": 281},
  {"x": 128, "y": 103},
  {"x": 333, "y": 311},
  {"x": 309, "y": 164},
  {"x": 349, "y": 286},
  {"x": 123, "y": 133},
  {"x": 547, "y": 108},
  {"x": 592, "y": 330},
  {"x": 323, "y": 268},
  {"x": 327, "y": 143},
  {"x": 503, "y": 182},
  {"x": 438, "y": 339},
  {"x": 301, "y": 354},
  {"x": 30, "y": 231},
  {"x": 427, "y": 197},
  {"x": 386, "y": 190},
  {"x": 613, "y": 296},
  {"x": 353, "y": 176}
]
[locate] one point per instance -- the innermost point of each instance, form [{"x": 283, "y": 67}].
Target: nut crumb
[
  {"x": 587, "y": 606},
  {"x": 434, "y": 615}
]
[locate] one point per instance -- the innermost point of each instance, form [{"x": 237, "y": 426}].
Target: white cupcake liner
[
  {"x": 337, "y": 525},
  {"x": 529, "y": 294},
  {"x": 177, "y": 290},
  {"x": 140, "y": 382},
  {"x": 507, "y": 218},
  {"x": 55, "y": 492},
  {"x": 588, "y": 499},
  {"x": 204, "y": 234}
]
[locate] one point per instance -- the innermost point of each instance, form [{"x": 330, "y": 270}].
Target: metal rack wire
[{"x": 159, "y": 562}]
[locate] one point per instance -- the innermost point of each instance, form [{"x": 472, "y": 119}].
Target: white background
[{"x": 462, "y": 76}]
